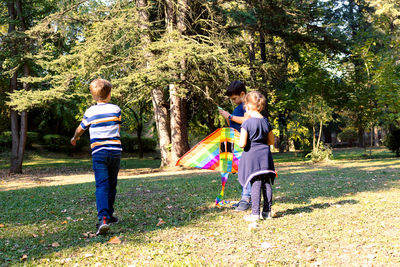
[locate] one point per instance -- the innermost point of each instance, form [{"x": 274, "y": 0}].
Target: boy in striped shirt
[{"x": 103, "y": 121}]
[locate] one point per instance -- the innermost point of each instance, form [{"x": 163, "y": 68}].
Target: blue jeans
[
  {"x": 246, "y": 191},
  {"x": 106, "y": 167}
]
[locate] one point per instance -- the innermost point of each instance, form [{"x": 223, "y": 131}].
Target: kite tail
[{"x": 218, "y": 201}]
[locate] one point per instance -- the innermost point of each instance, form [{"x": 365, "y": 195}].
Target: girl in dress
[{"x": 256, "y": 165}]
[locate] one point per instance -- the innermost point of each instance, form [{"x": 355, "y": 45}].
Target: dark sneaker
[
  {"x": 266, "y": 215},
  {"x": 243, "y": 205},
  {"x": 113, "y": 220},
  {"x": 103, "y": 226}
]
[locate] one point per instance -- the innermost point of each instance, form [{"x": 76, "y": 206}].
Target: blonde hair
[
  {"x": 100, "y": 89},
  {"x": 257, "y": 99}
]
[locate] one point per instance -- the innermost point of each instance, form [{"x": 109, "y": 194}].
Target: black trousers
[{"x": 260, "y": 184}]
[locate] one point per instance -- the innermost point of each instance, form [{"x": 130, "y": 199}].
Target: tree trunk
[
  {"x": 319, "y": 135},
  {"x": 360, "y": 137},
  {"x": 160, "y": 112},
  {"x": 282, "y": 130},
  {"x": 263, "y": 56},
  {"x": 252, "y": 57},
  {"x": 376, "y": 136},
  {"x": 313, "y": 137},
  {"x": 18, "y": 130},
  {"x": 179, "y": 132},
  {"x": 161, "y": 118},
  {"x": 178, "y": 114}
]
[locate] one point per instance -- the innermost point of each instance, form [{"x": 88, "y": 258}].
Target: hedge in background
[
  {"x": 131, "y": 143},
  {"x": 6, "y": 139},
  {"x": 393, "y": 141},
  {"x": 60, "y": 143}
]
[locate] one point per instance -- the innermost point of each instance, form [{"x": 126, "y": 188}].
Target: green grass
[
  {"x": 41, "y": 159},
  {"x": 45, "y": 160},
  {"x": 341, "y": 213}
]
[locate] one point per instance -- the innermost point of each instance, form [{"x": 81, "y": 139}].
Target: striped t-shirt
[{"x": 104, "y": 121}]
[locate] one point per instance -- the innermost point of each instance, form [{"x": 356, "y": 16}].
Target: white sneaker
[{"x": 251, "y": 218}]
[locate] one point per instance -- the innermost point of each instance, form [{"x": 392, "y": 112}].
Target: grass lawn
[{"x": 340, "y": 213}]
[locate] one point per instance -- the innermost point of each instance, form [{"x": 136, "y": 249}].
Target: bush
[
  {"x": 348, "y": 135},
  {"x": 6, "y": 139},
  {"x": 31, "y": 137},
  {"x": 393, "y": 141},
  {"x": 60, "y": 143},
  {"x": 131, "y": 143},
  {"x": 56, "y": 142},
  {"x": 323, "y": 153}
]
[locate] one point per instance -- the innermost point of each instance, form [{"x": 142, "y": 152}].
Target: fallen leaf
[
  {"x": 114, "y": 240},
  {"x": 24, "y": 257},
  {"x": 266, "y": 245},
  {"x": 262, "y": 261},
  {"x": 160, "y": 222},
  {"x": 55, "y": 244},
  {"x": 253, "y": 225},
  {"x": 63, "y": 261}
]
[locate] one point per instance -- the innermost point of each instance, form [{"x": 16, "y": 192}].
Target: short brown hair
[
  {"x": 257, "y": 99},
  {"x": 100, "y": 89}
]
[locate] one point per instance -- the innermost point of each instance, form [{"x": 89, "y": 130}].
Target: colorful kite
[{"x": 219, "y": 151}]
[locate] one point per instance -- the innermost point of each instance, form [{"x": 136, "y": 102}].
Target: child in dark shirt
[
  {"x": 256, "y": 165},
  {"x": 237, "y": 93}
]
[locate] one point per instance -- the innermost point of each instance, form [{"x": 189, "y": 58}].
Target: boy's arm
[
  {"x": 78, "y": 132},
  {"x": 236, "y": 119}
]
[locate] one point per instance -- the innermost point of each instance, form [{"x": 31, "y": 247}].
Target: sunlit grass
[{"x": 42, "y": 159}]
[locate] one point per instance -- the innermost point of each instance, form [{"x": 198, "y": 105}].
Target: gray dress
[{"x": 256, "y": 158}]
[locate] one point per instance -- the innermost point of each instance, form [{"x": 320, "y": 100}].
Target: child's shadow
[{"x": 311, "y": 208}]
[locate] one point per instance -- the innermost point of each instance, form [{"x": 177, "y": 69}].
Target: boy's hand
[
  {"x": 73, "y": 141},
  {"x": 224, "y": 113}
]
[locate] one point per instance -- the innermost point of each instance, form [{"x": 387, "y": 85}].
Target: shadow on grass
[
  {"x": 35, "y": 218},
  {"x": 311, "y": 208}
]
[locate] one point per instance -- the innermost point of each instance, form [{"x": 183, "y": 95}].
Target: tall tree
[
  {"x": 18, "y": 122},
  {"x": 179, "y": 127},
  {"x": 157, "y": 95}
]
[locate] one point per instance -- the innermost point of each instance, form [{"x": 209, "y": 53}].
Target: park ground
[{"x": 338, "y": 213}]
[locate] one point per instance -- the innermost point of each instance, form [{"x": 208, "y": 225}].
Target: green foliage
[
  {"x": 393, "y": 141},
  {"x": 131, "y": 143},
  {"x": 56, "y": 142},
  {"x": 6, "y": 139},
  {"x": 323, "y": 153},
  {"x": 60, "y": 143},
  {"x": 349, "y": 135}
]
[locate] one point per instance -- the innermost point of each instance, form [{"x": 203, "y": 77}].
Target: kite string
[{"x": 207, "y": 96}]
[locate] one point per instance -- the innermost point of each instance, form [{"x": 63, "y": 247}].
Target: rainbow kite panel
[{"x": 219, "y": 151}]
